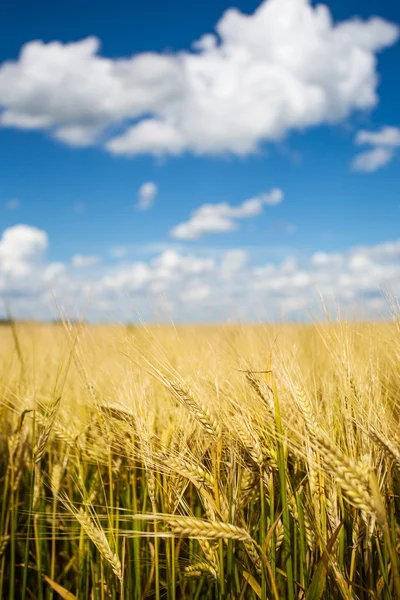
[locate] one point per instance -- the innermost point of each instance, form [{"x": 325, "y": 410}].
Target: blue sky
[{"x": 101, "y": 106}]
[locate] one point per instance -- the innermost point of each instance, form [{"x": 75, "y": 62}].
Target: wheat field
[{"x": 192, "y": 462}]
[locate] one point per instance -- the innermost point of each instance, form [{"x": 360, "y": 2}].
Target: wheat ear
[
  {"x": 199, "y": 410},
  {"x": 348, "y": 475},
  {"x": 48, "y": 426},
  {"x": 388, "y": 446},
  {"x": 217, "y": 530}
]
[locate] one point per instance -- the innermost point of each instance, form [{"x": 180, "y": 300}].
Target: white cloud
[
  {"x": 22, "y": 243},
  {"x": 273, "y": 198},
  {"x": 147, "y": 194},
  {"x": 223, "y": 217},
  {"x": 384, "y": 143},
  {"x": 128, "y": 278},
  {"x": 387, "y": 136},
  {"x": 360, "y": 260},
  {"x": 195, "y": 287},
  {"x": 386, "y": 251},
  {"x": 75, "y": 135},
  {"x": 150, "y": 136},
  {"x": 171, "y": 264},
  {"x": 196, "y": 294},
  {"x": 24, "y": 271},
  {"x": 372, "y": 160},
  {"x": 257, "y": 78},
  {"x": 209, "y": 218},
  {"x": 81, "y": 261},
  {"x": 326, "y": 261},
  {"x": 52, "y": 271},
  {"x": 12, "y": 204},
  {"x": 233, "y": 261}
]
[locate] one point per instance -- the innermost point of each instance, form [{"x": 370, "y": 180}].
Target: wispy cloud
[
  {"x": 223, "y": 217},
  {"x": 146, "y": 195},
  {"x": 384, "y": 143},
  {"x": 372, "y": 160},
  {"x": 386, "y": 136}
]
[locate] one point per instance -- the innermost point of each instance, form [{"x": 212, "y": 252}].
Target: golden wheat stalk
[
  {"x": 200, "y": 568},
  {"x": 44, "y": 436},
  {"x": 303, "y": 402},
  {"x": 13, "y": 442},
  {"x": 390, "y": 449},
  {"x": 55, "y": 479},
  {"x": 266, "y": 399},
  {"x": 96, "y": 534},
  {"x": 249, "y": 442},
  {"x": 280, "y": 534},
  {"x": 99, "y": 539},
  {"x": 209, "y": 551},
  {"x": 188, "y": 469},
  {"x": 61, "y": 432},
  {"x": 199, "y": 410},
  {"x": 199, "y": 528},
  {"x": 348, "y": 475}
]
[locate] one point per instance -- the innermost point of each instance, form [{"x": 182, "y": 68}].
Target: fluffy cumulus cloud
[
  {"x": 383, "y": 145},
  {"x": 223, "y": 217},
  {"x": 194, "y": 286},
  {"x": 24, "y": 271},
  {"x": 146, "y": 195},
  {"x": 285, "y": 67}
]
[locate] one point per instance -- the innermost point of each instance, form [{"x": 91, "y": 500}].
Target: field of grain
[{"x": 199, "y": 462}]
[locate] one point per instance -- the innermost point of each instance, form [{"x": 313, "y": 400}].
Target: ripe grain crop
[{"x": 203, "y": 462}]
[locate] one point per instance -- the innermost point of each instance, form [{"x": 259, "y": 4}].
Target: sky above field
[{"x": 200, "y": 161}]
